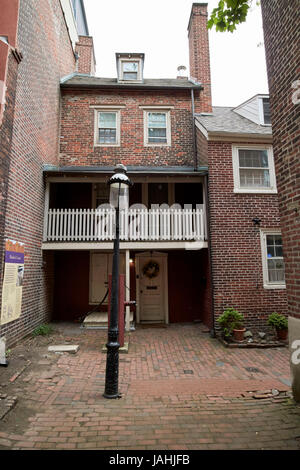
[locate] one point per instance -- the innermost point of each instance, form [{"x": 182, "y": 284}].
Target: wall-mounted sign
[{"x": 12, "y": 281}]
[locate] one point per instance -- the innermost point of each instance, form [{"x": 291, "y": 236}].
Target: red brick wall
[
  {"x": 199, "y": 55},
  {"x": 235, "y": 243},
  {"x": 77, "y": 129},
  {"x": 282, "y": 35},
  {"x": 47, "y": 56}
]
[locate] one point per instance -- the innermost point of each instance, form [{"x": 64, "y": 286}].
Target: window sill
[
  {"x": 274, "y": 286},
  {"x": 255, "y": 191},
  {"x": 107, "y": 145},
  {"x": 157, "y": 145}
]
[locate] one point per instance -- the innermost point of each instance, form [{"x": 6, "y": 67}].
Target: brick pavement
[{"x": 180, "y": 389}]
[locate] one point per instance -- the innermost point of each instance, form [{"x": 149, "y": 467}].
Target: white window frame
[
  {"x": 107, "y": 109},
  {"x": 139, "y": 74},
  {"x": 236, "y": 170},
  {"x": 168, "y": 128},
  {"x": 261, "y": 111},
  {"x": 263, "y": 239}
]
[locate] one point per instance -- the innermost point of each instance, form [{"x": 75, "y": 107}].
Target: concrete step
[{"x": 99, "y": 320}]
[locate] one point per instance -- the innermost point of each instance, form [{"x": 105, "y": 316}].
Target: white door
[{"x": 152, "y": 288}]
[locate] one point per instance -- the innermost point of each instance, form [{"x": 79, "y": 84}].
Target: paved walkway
[{"x": 180, "y": 389}]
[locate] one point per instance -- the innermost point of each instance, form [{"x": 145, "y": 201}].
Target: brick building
[
  {"x": 37, "y": 47},
  {"x": 282, "y": 31},
  {"x": 202, "y": 175},
  {"x": 189, "y": 159}
]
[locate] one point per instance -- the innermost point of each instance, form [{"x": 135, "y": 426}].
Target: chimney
[
  {"x": 86, "y": 58},
  {"x": 199, "y": 55}
]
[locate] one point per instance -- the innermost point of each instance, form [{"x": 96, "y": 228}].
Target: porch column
[
  {"x": 46, "y": 209},
  {"x": 127, "y": 290}
]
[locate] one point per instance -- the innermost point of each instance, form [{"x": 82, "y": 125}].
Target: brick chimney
[
  {"x": 86, "y": 58},
  {"x": 199, "y": 55}
]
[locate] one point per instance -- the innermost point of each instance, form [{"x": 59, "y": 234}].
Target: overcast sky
[{"x": 159, "y": 29}]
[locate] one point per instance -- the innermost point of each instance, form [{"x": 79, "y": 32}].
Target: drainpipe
[
  {"x": 193, "y": 131},
  {"x": 213, "y": 329}
]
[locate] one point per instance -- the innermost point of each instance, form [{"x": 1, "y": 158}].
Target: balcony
[{"x": 136, "y": 225}]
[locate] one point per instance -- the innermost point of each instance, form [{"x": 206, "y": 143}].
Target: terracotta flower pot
[
  {"x": 282, "y": 334},
  {"x": 239, "y": 334}
]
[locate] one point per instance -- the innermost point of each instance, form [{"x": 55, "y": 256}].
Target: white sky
[{"x": 159, "y": 29}]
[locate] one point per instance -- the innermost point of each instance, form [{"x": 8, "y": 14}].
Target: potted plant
[
  {"x": 232, "y": 322},
  {"x": 280, "y": 323}
]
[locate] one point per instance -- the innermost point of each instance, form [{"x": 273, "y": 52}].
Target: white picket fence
[{"x": 67, "y": 225}]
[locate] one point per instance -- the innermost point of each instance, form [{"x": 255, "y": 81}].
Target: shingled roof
[
  {"x": 225, "y": 120},
  {"x": 88, "y": 81}
]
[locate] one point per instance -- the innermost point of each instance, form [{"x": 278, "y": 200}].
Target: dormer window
[{"x": 130, "y": 67}]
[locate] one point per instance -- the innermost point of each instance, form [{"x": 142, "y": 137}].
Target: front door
[{"x": 152, "y": 288}]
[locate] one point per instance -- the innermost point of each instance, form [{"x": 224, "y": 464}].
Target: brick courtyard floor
[{"x": 181, "y": 389}]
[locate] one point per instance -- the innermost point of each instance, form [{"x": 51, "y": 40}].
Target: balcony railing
[{"x": 92, "y": 225}]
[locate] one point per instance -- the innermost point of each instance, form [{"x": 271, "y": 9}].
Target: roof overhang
[
  {"x": 86, "y": 170},
  {"x": 219, "y": 136}
]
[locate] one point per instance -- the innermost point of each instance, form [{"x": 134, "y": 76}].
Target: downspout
[
  {"x": 213, "y": 330},
  {"x": 193, "y": 131}
]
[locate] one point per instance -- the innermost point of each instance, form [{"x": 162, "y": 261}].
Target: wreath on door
[{"x": 151, "y": 269}]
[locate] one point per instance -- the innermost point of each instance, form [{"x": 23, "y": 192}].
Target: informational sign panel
[{"x": 12, "y": 281}]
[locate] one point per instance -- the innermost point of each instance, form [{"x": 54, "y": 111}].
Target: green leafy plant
[
  {"x": 42, "y": 330},
  {"x": 278, "y": 321},
  {"x": 228, "y": 14},
  {"x": 231, "y": 320}
]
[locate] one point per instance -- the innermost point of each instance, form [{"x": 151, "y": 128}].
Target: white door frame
[{"x": 164, "y": 257}]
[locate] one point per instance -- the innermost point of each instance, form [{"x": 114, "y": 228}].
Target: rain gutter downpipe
[{"x": 193, "y": 131}]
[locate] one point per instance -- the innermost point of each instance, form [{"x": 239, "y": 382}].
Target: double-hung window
[
  {"x": 254, "y": 170},
  {"x": 107, "y": 127},
  {"x": 273, "y": 263},
  {"x": 157, "y": 128}
]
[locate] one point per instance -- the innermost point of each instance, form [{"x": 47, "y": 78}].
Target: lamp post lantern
[{"x": 119, "y": 199}]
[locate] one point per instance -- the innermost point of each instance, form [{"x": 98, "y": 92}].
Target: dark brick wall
[
  {"x": 47, "y": 56},
  {"x": 6, "y": 129},
  {"x": 282, "y": 42}
]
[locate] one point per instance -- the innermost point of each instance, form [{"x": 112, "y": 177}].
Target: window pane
[
  {"x": 275, "y": 261},
  {"x": 253, "y": 158},
  {"x": 130, "y": 66},
  {"x": 267, "y": 113},
  {"x": 157, "y": 120},
  {"x": 157, "y": 135},
  {"x": 107, "y": 136},
  {"x": 129, "y": 76},
  {"x": 107, "y": 120},
  {"x": 254, "y": 178}
]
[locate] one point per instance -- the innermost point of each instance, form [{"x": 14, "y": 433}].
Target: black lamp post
[{"x": 119, "y": 199}]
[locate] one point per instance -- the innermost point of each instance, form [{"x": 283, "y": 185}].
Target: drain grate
[
  {"x": 253, "y": 369},
  {"x": 188, "y": 371}
]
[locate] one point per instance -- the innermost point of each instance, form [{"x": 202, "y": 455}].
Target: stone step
[{"x": 99, "y": 320}]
